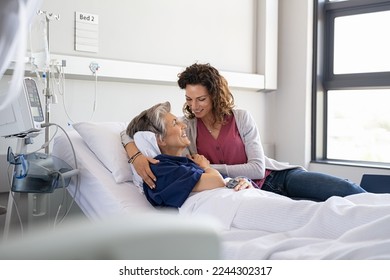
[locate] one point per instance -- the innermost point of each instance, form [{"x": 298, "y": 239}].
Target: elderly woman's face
[{"x": 176, "y": 136}]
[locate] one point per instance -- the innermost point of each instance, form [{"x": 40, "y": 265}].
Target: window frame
[{"x": 324, "y": 79}]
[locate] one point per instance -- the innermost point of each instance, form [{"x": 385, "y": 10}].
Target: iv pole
[
  {"x": 47, "y": 91},
  {"x": 38, "y": 203}
]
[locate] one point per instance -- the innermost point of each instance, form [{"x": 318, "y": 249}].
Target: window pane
[
  {"x": 359, "y": 125},
  {"x": 362, "y": 43}
]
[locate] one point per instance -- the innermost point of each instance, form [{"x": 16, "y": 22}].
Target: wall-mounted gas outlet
[{"x": 94, "y": 66}]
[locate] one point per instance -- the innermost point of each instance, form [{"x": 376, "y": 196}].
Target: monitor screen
[
  {"x": 25, "y": 114},
  {"x": 35, "y": 102}
]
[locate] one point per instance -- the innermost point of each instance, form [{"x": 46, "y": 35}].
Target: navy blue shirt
[{"x": 176, "y": 177}]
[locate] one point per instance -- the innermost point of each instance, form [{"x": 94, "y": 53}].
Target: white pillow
[
  {"x": 104, "y": 139},
  {"x": 147, "y": 144}
]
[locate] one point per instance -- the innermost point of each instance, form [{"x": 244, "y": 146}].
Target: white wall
[
  {"x": 291, "y": 102},
  {"x": 171, "y": 32}
]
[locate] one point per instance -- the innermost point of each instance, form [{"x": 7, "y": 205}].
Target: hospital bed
[{"x": 106, "y": 191}]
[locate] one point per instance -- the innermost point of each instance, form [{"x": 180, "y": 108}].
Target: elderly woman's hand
[
  {"x": 238, "y": 183},
  {"x": 200, "y": 160},
  {"x": 243, "y": 184}
]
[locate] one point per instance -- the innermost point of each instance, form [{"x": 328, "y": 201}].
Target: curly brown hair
[{"x": 216, "y": 85}]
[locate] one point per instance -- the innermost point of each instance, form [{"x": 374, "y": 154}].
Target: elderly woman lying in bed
[
  {"x": 177, "y": 176},
  {"x": 192, "y": 186}
]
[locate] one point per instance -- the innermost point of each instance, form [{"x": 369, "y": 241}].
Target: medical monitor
[{"x": 25, "y": 115}]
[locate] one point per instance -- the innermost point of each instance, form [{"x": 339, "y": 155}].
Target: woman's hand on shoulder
[{"x": 142, "y": 167}]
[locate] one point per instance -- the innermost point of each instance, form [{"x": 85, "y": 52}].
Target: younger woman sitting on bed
[
  {"x": 229, "y": 139},
  {"x": 197, "y": 189}
]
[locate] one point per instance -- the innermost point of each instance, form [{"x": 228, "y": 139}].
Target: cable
[
  {"x": 44, "y": 144},
  {"x": 14, "y": 201},
  {"x": 62, "y": 93},
  {"x": 94, "y": 67},
  {"x": 63, "y": 198},
  {"x": 94, "y": 71},
  {"x": 77, "y": 187}
]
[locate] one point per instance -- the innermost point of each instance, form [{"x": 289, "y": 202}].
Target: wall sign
[{"x": 86, "y": 32}]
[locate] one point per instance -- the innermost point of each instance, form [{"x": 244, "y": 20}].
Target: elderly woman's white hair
[{"x": 152, "y": 119}]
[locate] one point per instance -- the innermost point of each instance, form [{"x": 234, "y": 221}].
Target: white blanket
[{"x": 355, "y": 227}]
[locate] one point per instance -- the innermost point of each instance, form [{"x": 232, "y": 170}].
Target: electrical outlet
[{"x": 94, "y": 66}]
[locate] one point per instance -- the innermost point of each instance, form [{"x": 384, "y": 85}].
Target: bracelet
[{"x": 133, "y": 157}]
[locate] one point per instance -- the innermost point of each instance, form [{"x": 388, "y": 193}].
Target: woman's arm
[
  {"x": 140, "y": 162},
  {"x": 211, "y": 178},
  {"x": 177, "y": 177}
]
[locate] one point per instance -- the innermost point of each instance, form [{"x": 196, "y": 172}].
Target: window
[
  {"x": 362, "y": 43},
  {"x": 351, "y": 93}
]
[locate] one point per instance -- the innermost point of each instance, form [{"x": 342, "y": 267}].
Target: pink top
[{"x": 228, "y": 148}]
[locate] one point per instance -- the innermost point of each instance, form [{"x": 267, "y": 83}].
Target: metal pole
[{"x": 47, "y": 90}]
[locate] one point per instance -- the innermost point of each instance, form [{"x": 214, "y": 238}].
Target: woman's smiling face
[
  {"x": 199, "y": 100},
  {"x": 175, "y": 140}
]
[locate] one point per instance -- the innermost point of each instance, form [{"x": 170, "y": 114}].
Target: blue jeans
[{"x": 299, "y": 183}]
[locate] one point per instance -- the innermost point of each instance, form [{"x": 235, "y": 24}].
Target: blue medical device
[{"x": 38, "y": 172}]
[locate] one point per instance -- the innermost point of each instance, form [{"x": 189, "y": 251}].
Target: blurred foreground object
[
  {"x": 140, "y": 237},
  {"x": 15, "y": 17}
]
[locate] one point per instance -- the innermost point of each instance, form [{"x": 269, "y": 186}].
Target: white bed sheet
[{"x": 101, "y": 197}]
